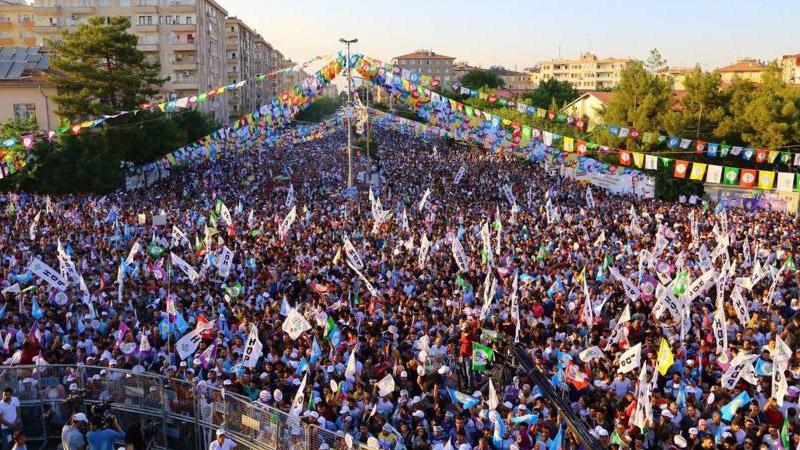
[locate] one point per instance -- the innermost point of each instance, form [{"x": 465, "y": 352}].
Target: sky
[{"x": 517, "y": 33}]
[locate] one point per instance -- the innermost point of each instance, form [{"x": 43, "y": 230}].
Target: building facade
[
  {"x": 586, "y": 73},
  {"x": 17, "y": 24},
  {"x": 743, "y": 69},
  {"x": 516, "y": 82},
  {"x": 427, "y": 62},
  {"x": 24, "y": 93},
  {"x": 790, "y": 69},
  {"x": 675, "y": 76}
]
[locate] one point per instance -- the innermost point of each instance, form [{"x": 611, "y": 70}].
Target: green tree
[
  {"x": 320, "y": 109},
  {"x": 560, "y": 92},
  {"x": 655, "y": 61},
  {"x": 639, "y": 101},
  {"x": 731, "y": 128},
  {"x": 478, "y": 78},
  {"x": 773, "y": 114},
  {"x": 702, "y": 108},
  {"x": 99, "y": 70}
]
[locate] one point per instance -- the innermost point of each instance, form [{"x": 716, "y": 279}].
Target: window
[
  {"x": 103, "y": 2},
  {"x": 23, "y": 111},
  {"x": 24, "y": 18},
  {"x": 125, "y": 3},
  {"x": 145, "y": 20},
  {"x": 188, "y": 20}
]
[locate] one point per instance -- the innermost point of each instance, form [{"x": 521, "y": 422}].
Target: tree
[
  {"x": 99, "y": 70},
  {"x": 560, "y": 92},
  {"x": 731, "y": 128},
  {"x": 655, "y": 61},
  {"x": 773, "y": 115},
  {"x": 639, "y": 102},
  {"x": 320, "y": 109},
  {"x": 702, "y": 107},
  {"x": 476, "y": 79}
]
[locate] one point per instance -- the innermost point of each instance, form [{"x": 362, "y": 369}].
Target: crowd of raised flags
[{"x": 384, "y": 313}]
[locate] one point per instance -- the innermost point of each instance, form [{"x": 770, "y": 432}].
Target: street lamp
[{"x": 350, "y": 106}]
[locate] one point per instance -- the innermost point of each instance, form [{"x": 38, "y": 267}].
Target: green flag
[
  {"x": 606, "y": 262},
  {"x": 481, "y": 356},
  {"x": 212, "y": 220},
  {"x": 488, "y": 334},
  {"x": 790, "y": 264},
  {"x": 233, "y": 291},
  {"x": 154, "y": 250},
  {"x": 730, "y": 176},
  {"x": 328, "y": 327},
  {"x": 680, "y": 283},
  {"x": 311, "y": 405},
  {"x": 785, "y": 432},
  {"x": 197, "y": 244}
]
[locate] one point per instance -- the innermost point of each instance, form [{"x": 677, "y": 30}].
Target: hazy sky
[{"x": 520, "y": 33}]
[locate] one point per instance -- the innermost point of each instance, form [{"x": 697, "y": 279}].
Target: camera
[
  {"x": 102, "y": 414},
  {"x": 74, "y": 402}
]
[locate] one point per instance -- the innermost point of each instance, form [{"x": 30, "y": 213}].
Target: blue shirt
[{"x": 103, "y": 439}]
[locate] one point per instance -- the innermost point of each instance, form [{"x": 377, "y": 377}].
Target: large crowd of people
[{"x": 410, "y": 329}]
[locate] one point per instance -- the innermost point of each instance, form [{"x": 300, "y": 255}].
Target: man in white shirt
[
  {"x": 9, "y": 417},
  {"x": 222, "y": 442}
]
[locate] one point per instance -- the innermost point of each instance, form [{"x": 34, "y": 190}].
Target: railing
[{"x": 172, "y": 413}]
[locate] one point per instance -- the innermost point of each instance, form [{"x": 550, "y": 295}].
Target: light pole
[{"x": 349, "y": 112}]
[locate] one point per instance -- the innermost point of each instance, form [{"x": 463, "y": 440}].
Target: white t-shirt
[
  {"x": 9, "y": 410},
  {"x": 227, "y": 444}
]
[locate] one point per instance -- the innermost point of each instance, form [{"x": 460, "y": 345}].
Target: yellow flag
[
  {"x": 766, "y": 178},
  {"x": 338, "y": 256},
  {"x": 582, "y": 276},
  {"x": 665, "y": 358},
  {"x": 698, "y": 170},
  {"x": 569, "y": 144},
  {"x": 638, "y": 159}
]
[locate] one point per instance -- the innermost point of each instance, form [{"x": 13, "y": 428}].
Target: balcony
[
  {"x": 180, "y": 26},
  {"x": 182, "y": 6},
  {"x": 189, "y": 83},
  {"x": 179, "y": 46},
  {"x": 184, "y": 64},
  {"x": 148, "y": 28},
  {"x": 147, "y": 47},
  {"x": 49, "y": 10},
  {"x": 45, "y": 28}
]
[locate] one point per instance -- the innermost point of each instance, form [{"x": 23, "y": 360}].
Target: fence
[{"x": 171, "y": 413}]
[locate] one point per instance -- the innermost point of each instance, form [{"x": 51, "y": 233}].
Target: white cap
[
  {"x": 443, "y": 370},
  {"x": 680, "y": 441},
  {"x": 79, "y": 417},
  {"x": 220, "y": 432}
]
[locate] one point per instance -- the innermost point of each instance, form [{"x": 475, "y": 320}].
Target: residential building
[
  {"x": 744, "y": 69},
  {"x": 23, "y": 90},
  {"x": 460, "y": 69},
  {"x": 17, "y": 24},
  {"x": 247, "y": 55},
  {"x": 427, "y": 62},
  {"x": 590, "y": 105},
  {"x": 186, "y": 37},
  {"x": 587, "y": 73},
  {"x": 513, "y": 81},
  {"x": 675, "y": 76},
  {"x": 790, "y": 68}
]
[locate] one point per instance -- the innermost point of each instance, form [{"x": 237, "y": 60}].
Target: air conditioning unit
[{"x": 74, "y": 17}]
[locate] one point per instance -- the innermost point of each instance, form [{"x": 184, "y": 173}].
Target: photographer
[
  {"x": 9, "y": 417},
  {"x": 72, "y": 433},
  {"x": 105, "y": 430}
]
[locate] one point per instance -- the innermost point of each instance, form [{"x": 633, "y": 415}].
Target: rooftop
[
  {"x": 21, "y": 62},
  {"x": 502, "y": 71},
  {"x": 424, "y": 54},
  {"x": 744, "y": 65}
]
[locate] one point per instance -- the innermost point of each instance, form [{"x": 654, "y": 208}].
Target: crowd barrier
[{"x": 172, "y": 413}]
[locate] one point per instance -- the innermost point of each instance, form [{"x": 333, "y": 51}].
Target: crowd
[{"x": 403, "y": 340}]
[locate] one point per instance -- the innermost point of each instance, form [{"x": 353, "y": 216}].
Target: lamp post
[{"x": 349, "y": 112}]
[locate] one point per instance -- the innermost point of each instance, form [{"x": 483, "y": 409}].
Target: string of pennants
[
  {"x": 10, "y": 165},
  {"x": 711, "y": 149},
  {"x": 464, "y": 122},
  {"x": 257, "y": 125}
]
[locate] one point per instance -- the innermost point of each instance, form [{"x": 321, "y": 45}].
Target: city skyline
[{"x": 516, "y": 39}]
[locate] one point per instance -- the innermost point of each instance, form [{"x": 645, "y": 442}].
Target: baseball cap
[
  {"x": 221, "y": 432},
  {"x": 79, "y": 417}
]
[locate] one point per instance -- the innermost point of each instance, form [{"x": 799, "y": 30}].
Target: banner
[
  {"x": 225, "y": 261},
  {"x": 295, "y": 324},
  {"x": 185, "y": 267},
  {"x": 253, "y": 349},
  {"x": 352, "y": 254},
  {"x": 48, "y": 274},
  {"x": 459, "y": 256},
  {"x": 630, "y": 360}
]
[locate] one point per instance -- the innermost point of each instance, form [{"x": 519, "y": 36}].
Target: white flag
[
  {"x": 492, "y": 401},
  {"x": 295, "y": 324},
  {"x": 591, "y": 353},
  {"x": 600, "y": 239},
  {"x": 48, "y": 274},
  {"x": 350, "y": 370},
  {"x": 460, "y": 174},
  {"x": 144, "y": 344},
  {"x": 289, "y": 197},
  {"x": 253, "y": 350},
  {"x": 737, "y": 368},
  {"x": 34, "y": 224},
  {"x": 386, "y": 385},
  {"x": 224, "y": 262},
  {"x": 185, "y": 267},
  {"x": 589, "y": 198},
  {"x": 424, "y": 199},
  {"x": 225, "y": 214},
  {"x": 352, "y": 254},
  {"x": 13, "y": 289},
  {"x": 297, "y": 403},
  {"x": 132, "y": 254},
  {"x": 179, "y": 238},
  {"x": 459, "y": 256},
  {"x": 369, "y": 285},
  {"x": 189, "y": 342},
  {"x": 740, "y": 306},
  {"x": 424, "y": 246},
  {"x": 286, "y": 225},
  {"x": 720, "y": 325},
  {"x": 630, "y": 359}
]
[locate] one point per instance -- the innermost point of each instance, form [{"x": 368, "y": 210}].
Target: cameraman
[
  {"x": 72, "y": 433},
  {"x": 104, "y": 433}
]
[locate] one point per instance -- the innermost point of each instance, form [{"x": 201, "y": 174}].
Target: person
[
  {"x": 19, "y": 441},
  {"x": 9, "y": 417},
  {"x": 72, "y": 433},
  {"x": 222, "y": 442},
  {"x": 102, "y": 437}
]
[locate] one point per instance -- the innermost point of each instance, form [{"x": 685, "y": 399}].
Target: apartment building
[
  {"x": 587, "y": 73},
  {"x": 745, "y": 69},
  {"x": 790, "y": 68},
  {"x": 516, "y": 82},
  {"x": 675, "y": 76},
  {"x": 24, "y": 93},
  {"x": 460, "y": 69},
  {"x": 16, "y": 24},
  {"x": 427, "y": 62}
]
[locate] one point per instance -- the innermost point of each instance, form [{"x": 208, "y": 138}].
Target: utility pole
[{"x": 349, "y": 112}]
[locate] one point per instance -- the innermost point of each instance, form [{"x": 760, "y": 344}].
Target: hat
[
  {"x": 403, "y": 374},
  {"x": 600, "y": 431},
  {"x": 680, "y": 441},
  {"x": 278, "y": 395},
  {"x": 793, "y": 391},
  {"x": 227, "y": 383},
  {"x": 418, "y": 414},
  {"x": 79, "y": 417},
  {"x": 264, "y": 395},
  {"x": 73, "y": 387},
  {"x": 443, "y": 370},
  {"x": 508, "y": 405},
  {"x": 477, "y": 394},
  {"x": 220, "y": 432},
  {"x": 668, "y": 414},
  {"x": 694, "y": 431},
  {"x": 66, "y": 347},
  {"x": 345, "y": 410}
]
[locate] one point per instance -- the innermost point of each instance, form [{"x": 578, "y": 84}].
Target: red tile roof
[
  {"x": 603, "y": 96},
  {"x": 744, "y": 65}
]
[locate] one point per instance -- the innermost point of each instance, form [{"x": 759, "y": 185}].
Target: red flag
[
  {"x": 581, "y": 148},
  {"x": 748, "y": 178},
  {"x": 761, "y": 155},
  {"x": 699, "y": 147},
  {"x": 634, "y": 133},
  {"x": 320, "y": 288},
  {"x": 624, "y": 158},
  {"x": 681, "y": 167},
  {"x": 575, "y": 377}
]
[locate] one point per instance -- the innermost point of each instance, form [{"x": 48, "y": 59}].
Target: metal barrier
[{"x": 175, "y": 413}]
